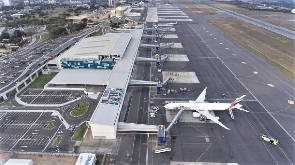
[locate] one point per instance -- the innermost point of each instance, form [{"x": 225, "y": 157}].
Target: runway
[{"x": 223, "y": 65}]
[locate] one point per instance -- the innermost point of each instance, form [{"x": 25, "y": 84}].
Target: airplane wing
[
  {"x": 201, "y": 97},
  {"x": 211, "y": 117}
]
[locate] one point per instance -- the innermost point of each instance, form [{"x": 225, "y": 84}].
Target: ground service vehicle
[{"x": 269, "y": 139}]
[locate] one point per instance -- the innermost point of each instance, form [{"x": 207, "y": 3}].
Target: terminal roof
[
  {"x": 81, "y": 76},
  {"x": 118, "y": 83},
  {"x": 91, "y": 47}
]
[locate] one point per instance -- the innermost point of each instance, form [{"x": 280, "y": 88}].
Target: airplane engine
[{"x": 203, "y": 118}]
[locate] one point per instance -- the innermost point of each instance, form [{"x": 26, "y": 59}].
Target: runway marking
[
  {"x": 207, "y": 57},
  {"x": 256, "y": 98}
]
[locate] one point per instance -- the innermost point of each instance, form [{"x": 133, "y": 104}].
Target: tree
[
  {"x": 84, "y": 20},
  {"x": 57, "y": 31},
  {"x": 30, "y": 32},
  {"x": 17, "y": 33},
  {"x": 4, "y": 36}
]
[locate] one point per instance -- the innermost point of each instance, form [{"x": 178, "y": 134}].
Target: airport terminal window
[{"x": 96, "y": 64}]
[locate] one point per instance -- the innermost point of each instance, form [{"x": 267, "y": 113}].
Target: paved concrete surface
[{"x": 224, "y": 66}]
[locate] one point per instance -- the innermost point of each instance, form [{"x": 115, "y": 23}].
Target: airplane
[{"x": 203, "y": 108}]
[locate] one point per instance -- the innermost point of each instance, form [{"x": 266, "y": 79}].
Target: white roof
[
  {"x": 82, "y": 76},
  {"x": 119, "y": 78},
  {"x": 85, "y": 159},
  {"x": 106, "y": 114},
  {"x": 91, "y": 47},
  {"x": 19, "y": 162}
]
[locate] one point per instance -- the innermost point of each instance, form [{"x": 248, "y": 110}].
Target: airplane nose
[{"x": 165, "y": 106}]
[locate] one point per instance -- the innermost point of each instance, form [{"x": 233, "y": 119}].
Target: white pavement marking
[
  {"x": 51, "y": 138},
  {"x": 177, "y": 57},
  {"x": 36, "y": 97},
  {"x": 252, "y": 94},
  {"x": 181, "y": 77},
  {"x": 25, "y": 133}
]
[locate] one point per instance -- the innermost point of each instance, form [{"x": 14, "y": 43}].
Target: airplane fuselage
[{"x": 198, "y": 106}]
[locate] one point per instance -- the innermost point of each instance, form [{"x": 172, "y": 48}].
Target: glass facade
[{"x": 96, "y": 64}]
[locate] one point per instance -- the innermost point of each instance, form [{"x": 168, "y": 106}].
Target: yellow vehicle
[{"x": 269, "y": 139}]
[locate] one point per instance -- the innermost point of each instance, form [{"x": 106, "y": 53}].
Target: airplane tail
[{"x": 235, "y": 104}]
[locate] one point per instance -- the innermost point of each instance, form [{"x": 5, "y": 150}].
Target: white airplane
[{"x": 203, "y": 108}]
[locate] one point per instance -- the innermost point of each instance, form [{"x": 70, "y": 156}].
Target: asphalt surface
[
  {"x": 280, "y": 30},
  {"x": 38, "y": 96},
  {"x": 32, "y": 58},
  {"x": 25, "y": 131},
  {"x": 224, "y": 66}
]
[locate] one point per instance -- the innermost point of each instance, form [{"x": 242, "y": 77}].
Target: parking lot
[
  {"x": 26, "y": 131},
  {"x": 37, "y": 96}
]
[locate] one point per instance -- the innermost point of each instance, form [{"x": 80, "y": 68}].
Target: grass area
[
  {"x": 76, "y": 149},
  {"x": 1, "y": 99},
  {"x": 275, "y": 18},
  {"x": 39, "y": 82},
  {"x": 74, "y": 94},
  {"x": 53, "y": 13},
  {"x": 78, "y": 135},
  {"x": 50, "y": 125},
  {"x": 57, "y": 140},
  {"x": 198, "y": 8},
  {"x": 80, "y": 109},
  {"x": 275, "y": 49},
  {"x": 44, "y": 37},
  {"x": 98, "y": 33},
  {"x": 8, "y": 105}
]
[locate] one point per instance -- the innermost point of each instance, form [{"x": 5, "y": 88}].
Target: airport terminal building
[
  {"x": 104, "y": 63},
  {"x": 100, "y": 52}
]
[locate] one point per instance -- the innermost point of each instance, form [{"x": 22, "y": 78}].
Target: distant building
[
  {"x": 2, "y": 29},
  {"x": 86, "y": 158},
  {"x": 17, "y": 15},
  {"x": 19, "y": 162},
  {"x": 293, "y": 11},
  {"x": 52, "y": 1},
  {"x": 6, "y": 2},
  {"x": 119, "y": 11}
]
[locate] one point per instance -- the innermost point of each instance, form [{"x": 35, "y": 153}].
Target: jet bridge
[
  {"x": 147, "y": 83},
  {"x": 152, "y": 36},
  {"x": 157, "y": 29},
  {"x": 174, "y": 121},
  {"x": 157, "y": 37},
  {"x": 143, "y": 59},
  {"x": 136, "y": 128},
  {"x": 168, "y": 45}
]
